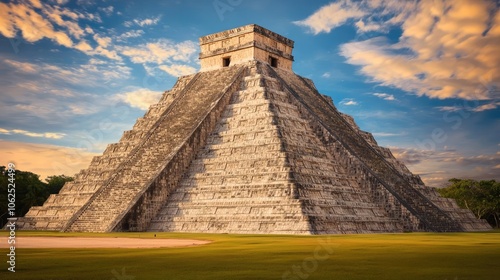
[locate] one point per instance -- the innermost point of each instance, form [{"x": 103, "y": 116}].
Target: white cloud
[
  {"x": 171, "y": 57},
  {"x": 177, "y": 70},
  {"x": 143, "y": 22},
  {"x": 129, "y": 34},
  {"x": 107, "y": 10},
  {"x": 147, "y": 21},
  {"x": 449, "y": 108},
  {"x": 385, "y": 96},
  {"x": 161, "y": 51},
  {"x": 326, "y": 75},
  {"x": 49, "y": 135},
  {"x": 61, "y": 2},
  {"x": 331, "y": 16},
  {"x": 22, "y": 66},
  {"x": 363, "y": 27},
  {"x": 4, "y": 131},
  {"x": 485, "y": 107},
  {"x": 348, "y": 102},
  {"x": 56, "y": 15},
  {"x": 83, "y": 47},
  {"x": 111, "y": 54},
  {"x": 140, "y": 98},
  {"x": 95, "y": 72},
  {"x": 102, "y": 41},
  {"x": 380, "y": 114}
]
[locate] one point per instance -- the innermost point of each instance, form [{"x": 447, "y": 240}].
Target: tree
[
  {"x": 29, "y": 191},
  {"x": 480, "y": 197},
  {"x": 56, "y": 182}
]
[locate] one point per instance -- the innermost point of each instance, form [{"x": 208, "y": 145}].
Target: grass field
[{"x": 455, "y": 256}]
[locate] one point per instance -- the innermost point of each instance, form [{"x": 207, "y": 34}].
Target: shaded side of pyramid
[
  {"x": 140, "y": 170},
  {"x": 402, "y": 194}
]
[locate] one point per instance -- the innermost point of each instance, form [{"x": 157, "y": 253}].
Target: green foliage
[
  {"x": 55, "y": 183},
  {"x": 29, "y": 190},
  {"x": 481, "y": 197}
]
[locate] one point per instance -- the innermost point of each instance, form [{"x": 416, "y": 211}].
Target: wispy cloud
[
  {"x": 140, "y": 98},
  {"x": 143, "y": 22},
  {"x": 171, "y": 57},
  {"x": 35, "y": 20},
  {"x": 62, "y": 2},
  {"x": 107, "y": 10},
  {"x": 331, "y": 16},
  {"x": 380, "y": 114},
  {"x": 129, "y": 34},
  {"x": 436, "y": 167},
  {"x": 484, "y": 107},
  {"x": 38, "y": 96},
  {"x": 177, "y": 70},
  {"x": 50, "y": 135},
  {"x": 388, "y": 134},
  {"x": 449, "y": 108},
  {"x": 366, "y": 15},
  {"x": 94, "y": 72},
  {"x": 385, "y": 96},
  {"x": 161, "y": 51},
  {"x": 348, "y": 102}
]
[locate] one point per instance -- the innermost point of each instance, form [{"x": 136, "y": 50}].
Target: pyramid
[{"x": 247, "y": 146}]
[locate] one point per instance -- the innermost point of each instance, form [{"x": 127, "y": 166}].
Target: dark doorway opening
[
  {"x": 273, "y": 61},
  {"x": 226, "y": 61}
]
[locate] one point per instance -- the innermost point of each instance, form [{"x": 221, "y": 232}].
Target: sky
[{"x": 422, "y": 76}]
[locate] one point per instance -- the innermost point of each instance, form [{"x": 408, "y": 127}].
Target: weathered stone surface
[{"x": 247, "y": 148}]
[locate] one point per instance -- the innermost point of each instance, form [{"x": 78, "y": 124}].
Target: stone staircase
[
  {"x": 260, "y": 173},
  {"x": 239, "y": 180},
  {"x": 144, "y": 162},
  {"x": 431, "y": 217},
  {"x": 60, "y": 208}
]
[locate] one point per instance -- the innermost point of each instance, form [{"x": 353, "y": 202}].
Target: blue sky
[{"x": 422, "y": 76}]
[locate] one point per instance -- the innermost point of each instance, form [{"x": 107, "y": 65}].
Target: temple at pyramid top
[{"x": 245, "y": 43}]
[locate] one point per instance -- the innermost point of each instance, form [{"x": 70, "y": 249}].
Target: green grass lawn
[{"x": 456, "y": 256}]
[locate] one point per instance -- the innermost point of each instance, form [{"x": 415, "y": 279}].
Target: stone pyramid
[{"x": 247, "y": 146}]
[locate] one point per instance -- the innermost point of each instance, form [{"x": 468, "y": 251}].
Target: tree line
[
  {"x": 480, "y": 197},
  {"x": 29, "y": 191}
]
